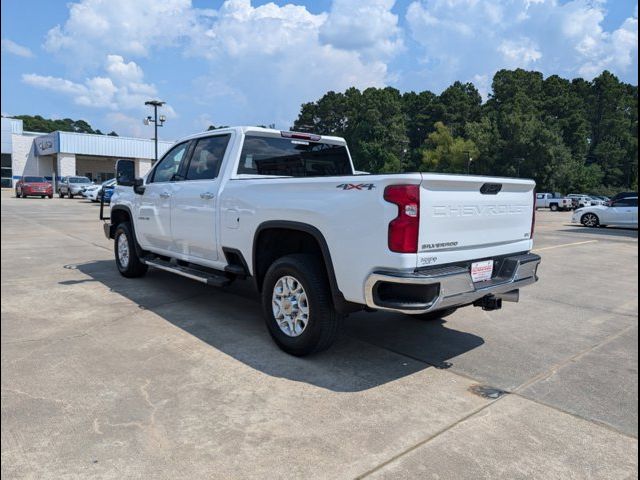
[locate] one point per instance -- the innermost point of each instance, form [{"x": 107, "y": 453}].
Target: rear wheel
[
  {"x": 126, "y": 253},
  {"x": 590, "y": 220},
  {"x": 436, "y": 315},
  {"x": 553, "y": 207},
  {"x": 60, "y": 194},
  {"x": 297, "y": 305}
]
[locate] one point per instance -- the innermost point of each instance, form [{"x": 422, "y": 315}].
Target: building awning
[{"x": 98, "y": 145}]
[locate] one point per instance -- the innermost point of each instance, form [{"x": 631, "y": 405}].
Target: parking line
[{"x": 563, "y": 245}]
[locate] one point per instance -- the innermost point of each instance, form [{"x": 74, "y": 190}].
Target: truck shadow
[
  {"x": 602, "y": 231},
  {"x": 231, "y": 321}
]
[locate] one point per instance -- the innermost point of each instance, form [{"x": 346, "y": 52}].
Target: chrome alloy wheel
[
  {"x": 590, "y": 220},
  {"x": 123, "y": 250},
  {"x": 290, "y": 306}
]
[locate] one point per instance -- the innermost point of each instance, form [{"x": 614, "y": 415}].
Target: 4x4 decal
[{"x": 356, "y": 186}]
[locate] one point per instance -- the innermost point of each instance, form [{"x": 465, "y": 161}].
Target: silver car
[{"x": 73, "y": 186}]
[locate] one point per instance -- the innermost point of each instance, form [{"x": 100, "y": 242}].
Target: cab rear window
[{"x": 292, "y": 158}]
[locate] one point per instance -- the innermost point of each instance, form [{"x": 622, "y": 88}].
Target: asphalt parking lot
[{"x": 162, "y": 377}]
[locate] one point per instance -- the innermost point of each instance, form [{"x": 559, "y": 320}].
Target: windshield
[
  {"x": 79, "y": 180},
  {"x": 33, "y": 180},
  {"x": 293, "y": 158}
]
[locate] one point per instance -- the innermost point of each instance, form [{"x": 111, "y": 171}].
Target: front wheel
[
  {"x": 127, "y": 259},
  {"x": 297, "y": 305},
  {"x": 61, "y": 195},
  {"x": 553, "y": 208},
  {"x": 590, "y": 220}
]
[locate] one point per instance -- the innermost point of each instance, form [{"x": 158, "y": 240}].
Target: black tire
[
  {"x": 590, "y": 220},
  {"x": 134, "y": 267},
  {"x": 322, "y": 327},
  {"x": 61, "y": 195},
  {"x": 17, "y": 194},
  {"x": 436, "y": 315},
  {"x": 70, "y": 195},
  {"x": 553, "y": 207},
  {"x": 24, "y": 195},
  {"x": 50, "y": 196}
]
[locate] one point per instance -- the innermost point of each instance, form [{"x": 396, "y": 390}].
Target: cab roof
[{"x": 268, "y": 132}]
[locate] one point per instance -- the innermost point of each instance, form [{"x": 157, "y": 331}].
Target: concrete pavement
[{"x": 162, "y": 377}]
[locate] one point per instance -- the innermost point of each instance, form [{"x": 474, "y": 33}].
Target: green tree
[{"x": 445, "y": 153}]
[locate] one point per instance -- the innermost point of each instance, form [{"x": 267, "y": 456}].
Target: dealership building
[{"x": 61, "y": 154}]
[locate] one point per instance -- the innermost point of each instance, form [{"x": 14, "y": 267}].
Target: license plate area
[{"x": 481, "y": 271}]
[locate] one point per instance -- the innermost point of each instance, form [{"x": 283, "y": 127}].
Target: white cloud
[
  {"x": 121, "y": 88},
  {"x": 269, "y": 58},
  {"x": 127, "y": 125},
  {"x": 466, "y": 38},
  {"x": 12, "y": 47},
  {"x": 519, "y": 53},
  {"x": 123, "y": 26},
  {"x": 367, "y": 26}
]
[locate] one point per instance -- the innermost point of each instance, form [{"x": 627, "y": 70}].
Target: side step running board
[{"x": 209, "y": 278}]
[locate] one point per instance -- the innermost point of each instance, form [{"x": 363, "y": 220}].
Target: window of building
[{"x": 7, "y": 172}]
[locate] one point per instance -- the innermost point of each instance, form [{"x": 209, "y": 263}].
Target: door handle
[
  {"x": 165, "y": 195},
  {"x": 207, "y": 195}
]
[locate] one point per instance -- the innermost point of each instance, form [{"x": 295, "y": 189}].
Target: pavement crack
[
  {"x": 65, "y": 405},
  {"x": 557, "y": 366}
]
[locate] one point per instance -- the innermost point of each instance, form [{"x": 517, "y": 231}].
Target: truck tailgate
[{"x": 470, "y": 217}]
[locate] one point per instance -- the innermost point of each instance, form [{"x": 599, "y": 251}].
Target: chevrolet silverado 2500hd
[{"x": 288, "y": 210}]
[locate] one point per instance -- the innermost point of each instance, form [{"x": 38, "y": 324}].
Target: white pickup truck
[
  {"x": 553, "y": 202},
  {"x": 287, "y": 210}
]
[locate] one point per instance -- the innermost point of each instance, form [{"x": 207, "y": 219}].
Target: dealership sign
[{"x": 47, "y": 144}]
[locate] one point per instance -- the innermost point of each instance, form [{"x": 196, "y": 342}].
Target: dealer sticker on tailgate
[{"x": 481, "y": 271}]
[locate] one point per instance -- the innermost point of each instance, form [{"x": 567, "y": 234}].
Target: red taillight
[
  {"x": 403, "y": 230},
  {"x": 533, "y": 215}
]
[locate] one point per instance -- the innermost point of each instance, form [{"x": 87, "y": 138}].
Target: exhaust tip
[{"x": 511, "y": 296}]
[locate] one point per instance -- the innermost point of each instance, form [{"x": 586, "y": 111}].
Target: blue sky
[{"x": 254, "y": 62}]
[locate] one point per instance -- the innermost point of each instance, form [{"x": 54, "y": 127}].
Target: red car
[{"x": 33, "y": 187}]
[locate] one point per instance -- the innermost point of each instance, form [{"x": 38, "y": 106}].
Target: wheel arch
[
  {"x": 294, "y": 237},
  {"x": 119, "y": 214}
]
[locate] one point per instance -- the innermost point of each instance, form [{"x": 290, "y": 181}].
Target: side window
[
  {"x": 540, "y": 196},
  {"x": 626, "y": 202},
  {"x": 207, "y": 157},
  {"x": 169, "y": 165}
]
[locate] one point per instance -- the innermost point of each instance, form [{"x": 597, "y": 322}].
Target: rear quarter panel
[{"x": 349, "y": 211}]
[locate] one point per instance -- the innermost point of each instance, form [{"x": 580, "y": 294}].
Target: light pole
[
  {"x": 157, "y": 122},
  {"x": 469, "y": 160},
  {"x": 519, "y": 161}
]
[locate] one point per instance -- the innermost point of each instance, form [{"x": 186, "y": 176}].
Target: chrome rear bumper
[{"x": 448, "y": 286}]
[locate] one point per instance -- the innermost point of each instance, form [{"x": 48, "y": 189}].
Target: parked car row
[
  {"x": 71, "y": 186},
  {"x": 622, "y": 212},
  {"x": 96, "y": 192},
  {"x": 32, "y": 186},
  {"x": 557, "y": 202}
]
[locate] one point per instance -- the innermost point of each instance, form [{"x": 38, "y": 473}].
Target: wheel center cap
[{"x": 287, "y": 306}]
